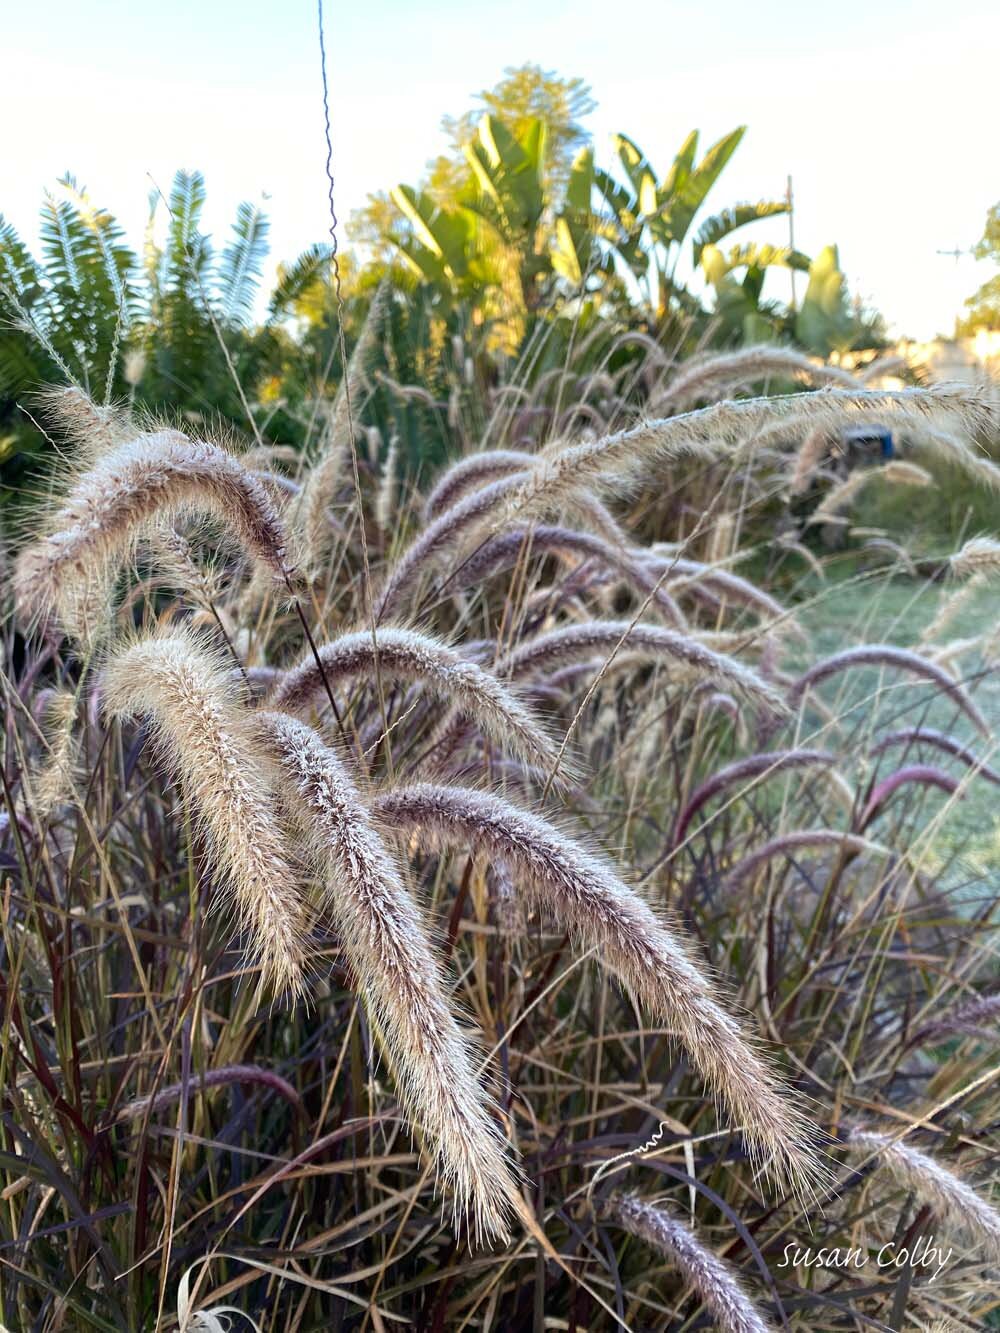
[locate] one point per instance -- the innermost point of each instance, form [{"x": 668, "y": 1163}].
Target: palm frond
[{"x": 239, "y": 271}]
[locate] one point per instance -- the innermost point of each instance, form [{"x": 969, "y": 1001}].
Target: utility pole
[{"x": 789, "y": 199}]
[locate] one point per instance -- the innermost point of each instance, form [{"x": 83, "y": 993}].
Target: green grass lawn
[{"x": 853, "y": 607}]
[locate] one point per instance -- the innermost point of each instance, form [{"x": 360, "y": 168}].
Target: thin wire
[
  {"x": 330, "y": 183},
  {"x": 345, "y": 383}
]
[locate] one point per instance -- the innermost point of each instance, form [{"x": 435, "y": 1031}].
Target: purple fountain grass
[
  {"x": 399, "y": 977},
  {"x": 940, "y": 740},
  {"x": 437, "y": 539},
  {"x": 642, "y": 642},
  {"x": 503, "y": 552},
  {"x": 327, "y": 472},
  {"x": 154, "y": 477},
  {"x": 923, "y": 774},
  {"x": 93, "y": 428},
  {"x": 746, "y": 366},
  {"x": 187, "y": 692},
  {"x": 882, "y": 654},
  {"x": 808, "y": 457},
  {"x": 681, "y": 573},
  {"x": 786, "y": 843},
  {"x": 53, "y": 781},
  {"x": 647, "y": 954},
  {"x": 956, "y": 449},
  {"x": 752, "y": 768},
  {"x": 388, "y": 487},
  {"x": 883, "y": 367},
  {"x": 403, "y": 654},
  {"x": 896, "y": 472},
  {"x": 203, "y": 1082},
  {"x": 714, "y": 1280},
  {"x": 471, "y": 474},
  {"x": 478, "y": 513},
  {"x": 958, "y": 1206},
  {"x": 979, "y": 556},
  {"x": 618, "y": 461},
  {"x": 971, "y": 1018}
]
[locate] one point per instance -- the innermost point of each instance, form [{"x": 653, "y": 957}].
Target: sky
[{"x": 884, "y": 113}]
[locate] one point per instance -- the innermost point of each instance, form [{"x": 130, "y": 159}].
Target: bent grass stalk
[
  {"x": 647, "y": 954},
  {"x": 404, "y": 654},
  {"x": 382, "y": 934}
]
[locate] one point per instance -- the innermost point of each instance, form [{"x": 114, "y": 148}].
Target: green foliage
[
  {"x": 528, "y": 93},
  {"x": 517, "y": 239},
  {"x": 984, "y": 306},
  {"x": 499, "y": 237},
  {"x": 180, "y": 319},
  {"x": 824, "y": 323}
]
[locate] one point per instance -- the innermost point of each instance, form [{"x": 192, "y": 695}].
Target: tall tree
[{"x": 528, "y": 93}]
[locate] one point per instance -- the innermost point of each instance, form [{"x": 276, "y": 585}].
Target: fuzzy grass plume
[
  {"x": 189, "y": 698},
  {"x": 642, "y": 642},
  {"x": 717, "y": 1285},
  {"x": 618, "y": 461},
  {"x": 150, "y": 479},
  {"x": 648, "y": 955},
  {"x": 403, "y": 654},
  {"x": 958, "y": 1206},
  {"x": 395, "y": 970},
  {"x": 888, "y": 655}
]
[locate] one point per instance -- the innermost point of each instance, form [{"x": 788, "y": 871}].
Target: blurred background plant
[{"x": 514, "y": 248}]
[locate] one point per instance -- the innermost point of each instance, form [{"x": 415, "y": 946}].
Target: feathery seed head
[
  {"x": 647, "y": 954},
  {"x": 958, "y": 1205},
  {"x": 187, "y": 693},
  {"x": 150, "y": 478},
  {"x": 714, "y": 1280},
  {"x": 399, "y": 977},
  {"x": 403, "y": 654}
]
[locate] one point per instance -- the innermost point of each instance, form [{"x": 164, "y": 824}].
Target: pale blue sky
[{"x": 884, "y": 114}]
